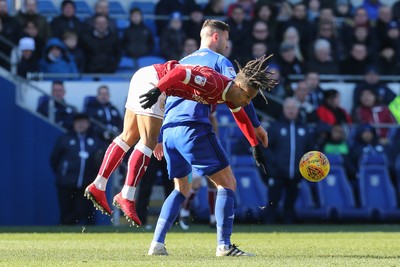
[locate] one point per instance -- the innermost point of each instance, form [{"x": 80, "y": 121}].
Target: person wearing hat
[
  {"x": 28, "y": 62},
  {"x": 74, "y": 160}
]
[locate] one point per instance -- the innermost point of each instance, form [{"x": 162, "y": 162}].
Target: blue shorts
[{"x": 192, "y": 144}]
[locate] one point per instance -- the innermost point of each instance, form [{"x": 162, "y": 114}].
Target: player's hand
[
  {"x": 158, "y": 151},
  {"x": 259, "y": 157},
  {"x": 148, "y": 99},
  {"x": 261, "y": 135}
]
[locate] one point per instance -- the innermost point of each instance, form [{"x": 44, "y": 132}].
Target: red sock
[
  {"x": 137, "y": 164},
  {"x": 113, "y": 157},
  {"x": 188, "y": 201},
  {"x": 212, "y": 194}
]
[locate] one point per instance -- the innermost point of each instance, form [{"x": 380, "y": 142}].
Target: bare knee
[
  {"x": 224, "y": 179},
  {"x": 183, "y": 186}
]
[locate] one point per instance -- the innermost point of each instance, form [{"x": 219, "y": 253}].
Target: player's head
[
  {"x": 251, "y": 79},
  {"x": 214, "y": 34}
]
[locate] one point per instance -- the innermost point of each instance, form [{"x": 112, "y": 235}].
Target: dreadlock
[{"x": 254, "y": 75}]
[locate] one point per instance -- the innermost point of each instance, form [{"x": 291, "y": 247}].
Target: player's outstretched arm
[{"x": 245, "y": 125}]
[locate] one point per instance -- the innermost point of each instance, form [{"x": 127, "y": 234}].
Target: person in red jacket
[
  {"x": 371, "y": 112},
  {"x": 330, "y": 112}
]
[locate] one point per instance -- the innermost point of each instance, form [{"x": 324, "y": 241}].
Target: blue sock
[
  {"x": 168, "y": 214},
  {"x": 224, "y": 214}
]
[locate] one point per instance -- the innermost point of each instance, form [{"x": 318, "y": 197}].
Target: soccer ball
[{"x": 314, "y": 166}]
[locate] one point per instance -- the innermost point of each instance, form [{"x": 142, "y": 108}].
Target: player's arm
[
  {"x": 188, "y": 82},
  {"x": 245, "y": 125},
  {"x": 228, "y": 70}
]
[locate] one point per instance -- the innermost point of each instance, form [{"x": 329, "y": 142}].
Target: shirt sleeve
[{"x": 196, "y": 83}]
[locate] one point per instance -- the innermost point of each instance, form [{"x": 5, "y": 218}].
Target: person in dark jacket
[
  {"x": 66, "y": 21},
  {"x": 172, "y": 38},
  {"x": 29, "y": 12},
  {"x": 137, "y": 39},
  {"x": 289, "y": 139},
  {"x": 9, "y": 29},
  {"x": 55, "y": 108},
  {"x": 101, "y": 47},
  {"x": 103, "y": 111},
  {"x": 57, "y": 59},
  {"x": 75, "y": 160}
]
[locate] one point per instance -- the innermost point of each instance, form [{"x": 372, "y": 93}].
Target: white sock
[
  {"x": 184, "y": 213},
  {"x": 212, "y": 219},
  {"x": 128, "y": 192},
  {"x": 100, "y": 182}
]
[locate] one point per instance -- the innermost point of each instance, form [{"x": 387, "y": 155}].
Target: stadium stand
[
  {"x": 47, "y": 8},
  {"x": 335, "y": 193},
  {"x": 251, "y": 194},
  {"x": 376, "y": 190},
  {"x": 83, "y": 10},
  {"x": 306, "y": 208},
  {"x": 146, "y": 7},
  {"x": 149, "y": 60},
  {"x": 116, "y": 10}
]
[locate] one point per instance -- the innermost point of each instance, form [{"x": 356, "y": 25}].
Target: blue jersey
[{"x": 180, "y": 110}]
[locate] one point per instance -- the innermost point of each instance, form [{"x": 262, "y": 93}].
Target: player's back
[{"x": 180, "y": 110}]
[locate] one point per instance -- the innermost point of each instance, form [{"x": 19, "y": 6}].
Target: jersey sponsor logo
[
  {"x": 200, "y": 80},
  {"x": 232, "y": 71}
]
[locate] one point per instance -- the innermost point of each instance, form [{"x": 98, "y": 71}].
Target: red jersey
[
  {"x": 204, "y": 85},
  {"x": 198, "y": 83},
  {"x": 164, "y": 68}
]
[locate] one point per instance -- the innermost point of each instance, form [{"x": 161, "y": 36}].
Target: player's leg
[
  {"x": 177, "y": 167},
  {"x": 208, "y": 156},
  {"x": 112, "y": 159},
  {"x": 184, "y": 215},
  {"x": 149, "y": 129},
  {"x": 211, "y": 197},
  {"x": 169, "y": 213}
]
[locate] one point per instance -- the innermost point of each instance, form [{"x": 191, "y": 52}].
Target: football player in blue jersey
[{"x": 189, "y": 141}]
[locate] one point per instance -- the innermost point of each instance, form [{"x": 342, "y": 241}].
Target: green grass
[{"x": 303, "y": 245}]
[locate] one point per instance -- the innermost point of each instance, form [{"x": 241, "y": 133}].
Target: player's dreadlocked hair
[{"x": 254, "y": 75}]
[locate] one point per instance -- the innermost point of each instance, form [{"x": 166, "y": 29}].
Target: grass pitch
[{"x": 303, "y": 245}]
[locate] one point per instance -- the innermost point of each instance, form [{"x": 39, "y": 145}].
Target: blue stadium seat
[
  {"x": 377, "y": 192},
  {"x": 149, "y": 60},
  {"x": 335, "y": 193},
  {"x": 116, "y": 10},
  {"x": 306, "y": 209},
  {"x": 242, "y": 161},
  {"x": 251, "y": 194},
  {"x": 147, "y": 7},
  {"x": 127, "y": 63},
  {"x": 83, "y": 10},
  {"x": 47, "y": 8}
]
